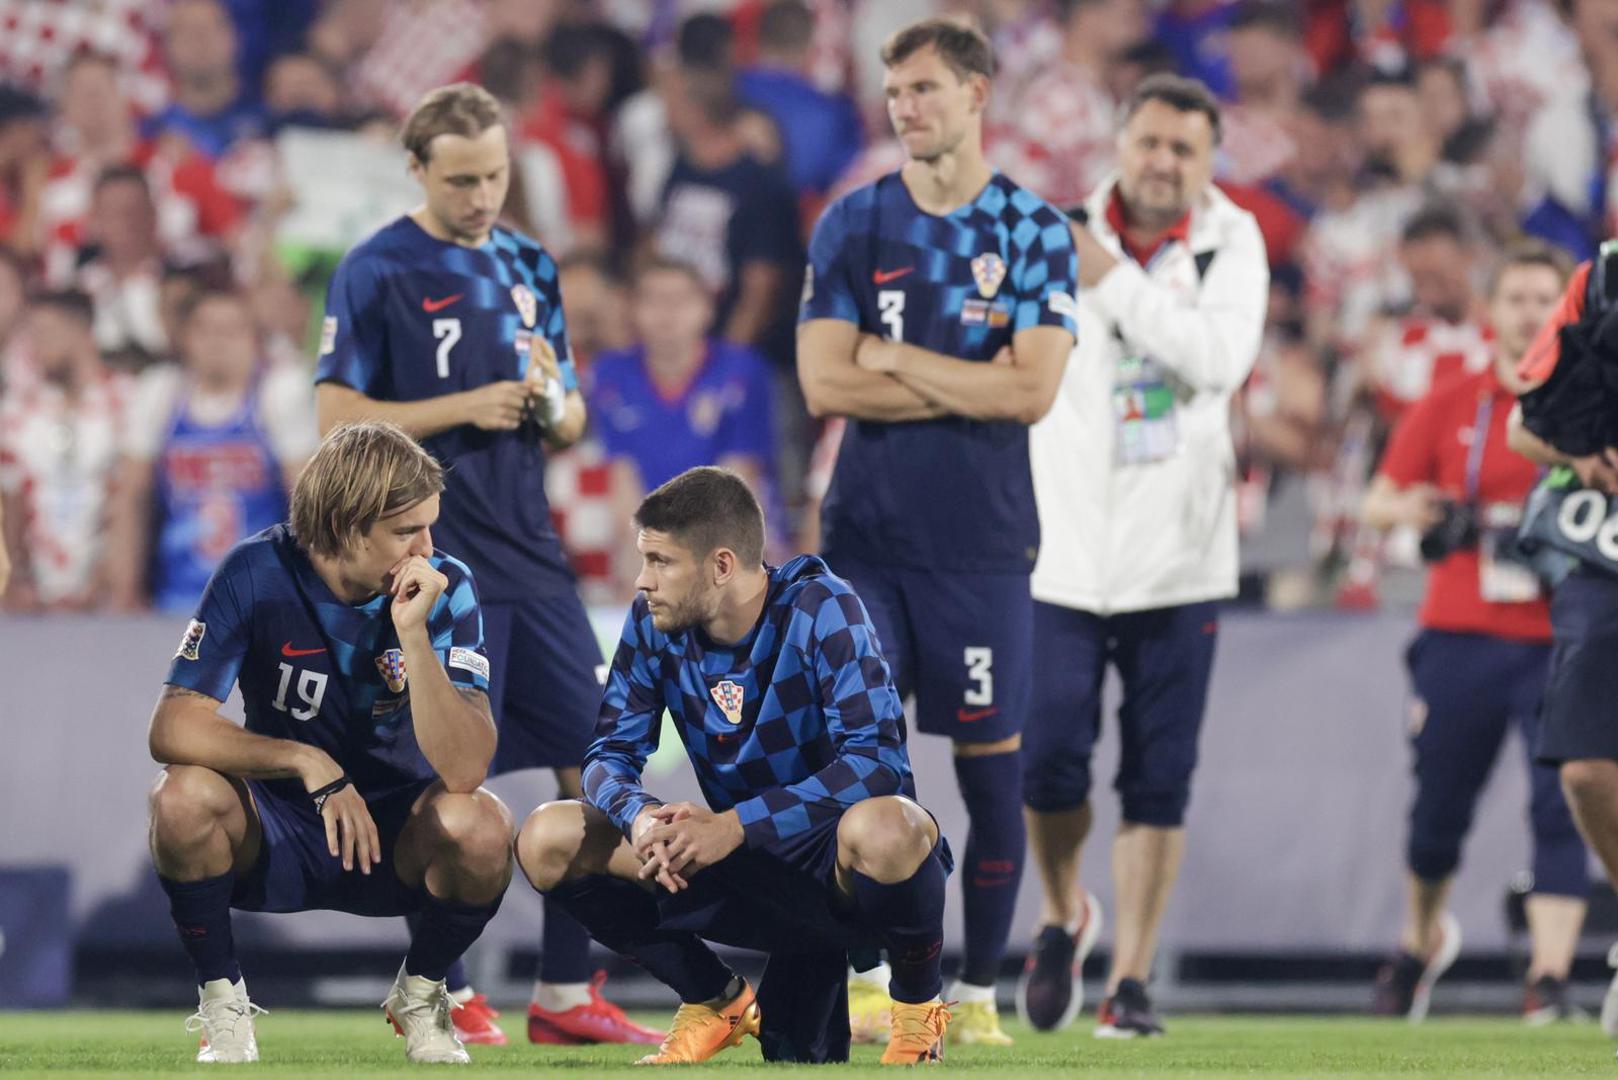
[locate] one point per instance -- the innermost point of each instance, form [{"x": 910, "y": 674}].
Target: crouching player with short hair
[
  {"x": 811, "y": 843},
  {"x": 354, "y": 785}
]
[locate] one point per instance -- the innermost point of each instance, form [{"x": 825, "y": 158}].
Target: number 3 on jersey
[
  {"x": 448, "y": 332},
  {"x": 890, "y": 304}
]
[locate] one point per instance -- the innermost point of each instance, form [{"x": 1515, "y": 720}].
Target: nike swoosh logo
[
  {"x": 288, "y": 650},
  {"x": 431, "y": 306},
  {"x": 882, "y": 277},
  {"x": 972, "y": 716}
]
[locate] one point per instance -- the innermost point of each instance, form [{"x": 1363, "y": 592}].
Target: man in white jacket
[{"x": 1134, "y": 477}]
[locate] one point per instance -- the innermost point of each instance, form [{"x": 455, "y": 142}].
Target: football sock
[
  {"x": 560, "y": 997},
  {"x": 445, "y": 931},
  {"x": 564, "y": 948},
  {"x": 991, "y": 787},
  {"x": 455, "y": 980},
  {"x": 911, "y": 916},
  {"x": 201, "y": 911},
  {"x": 624, "y": 918}
]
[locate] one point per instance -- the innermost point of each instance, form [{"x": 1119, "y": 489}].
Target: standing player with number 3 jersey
[
  {"x": 938, "y": 316},
  {"x": 452, "y": 328}
]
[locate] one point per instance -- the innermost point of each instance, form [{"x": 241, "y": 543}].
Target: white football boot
[
  {"x": 419, "y": 1009},
  {"x": 225, "y": 1018}
]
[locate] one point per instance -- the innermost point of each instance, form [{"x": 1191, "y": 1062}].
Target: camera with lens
[{"x": 1456, "y": 530}]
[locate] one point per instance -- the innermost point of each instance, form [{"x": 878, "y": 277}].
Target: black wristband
[{"x": 321, "y": 794}]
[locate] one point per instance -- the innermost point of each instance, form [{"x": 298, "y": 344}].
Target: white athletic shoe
[
  {"x": 225, "y": 1018},
  {"x": 1609, "y": 1003},
  {"x": 1449, "y": 947},
  {"x": 419, "y": 1009}
]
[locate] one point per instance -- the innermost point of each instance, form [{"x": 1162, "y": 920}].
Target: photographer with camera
[{"x": 1479, "y": 663}]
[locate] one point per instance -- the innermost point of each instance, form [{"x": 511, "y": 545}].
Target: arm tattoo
[{"x": 172, "y": 691}]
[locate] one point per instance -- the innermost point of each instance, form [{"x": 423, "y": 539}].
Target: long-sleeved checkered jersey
[{"x": 790, "y": 726}]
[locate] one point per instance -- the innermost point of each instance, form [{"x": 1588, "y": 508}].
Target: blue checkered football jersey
[
  {"x": 950, "y": 493},
  {"x": 316, "y": 670},
  {"x": 409, "y": 317},
  {"x": 790, "y": 726}
]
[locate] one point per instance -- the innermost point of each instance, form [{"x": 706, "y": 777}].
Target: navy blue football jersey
[
  {"x": 409, "y": 317},
  {"x": 790, "y": 726},
  {"x": 316, "y": 670},
  {"x": 951, "y": 493}
]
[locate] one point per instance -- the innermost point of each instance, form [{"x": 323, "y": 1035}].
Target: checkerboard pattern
[{"x": 821, "y": 725}]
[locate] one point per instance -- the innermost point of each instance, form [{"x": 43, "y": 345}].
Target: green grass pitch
[{"x": 349, "y": 1043}]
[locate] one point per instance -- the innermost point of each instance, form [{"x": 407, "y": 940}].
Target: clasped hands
[{"x": 676, "y": 840}]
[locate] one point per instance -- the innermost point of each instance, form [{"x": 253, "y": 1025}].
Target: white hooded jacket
[{"x": 1120, "y": 535}]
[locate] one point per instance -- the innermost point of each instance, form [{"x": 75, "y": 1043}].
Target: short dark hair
[
  {"x": 1530, "y": 252},
  {"x": 1277, "y": 18},
  {"x": 672, "y": 264},
  {"x": 206, "y": 293},
  {"x": 121, "y": 174},
  {"x": 961, "y": 46},
  {"x": 705, "y": 41},
  {"x": 71, "y": 302},
  {"x": 1180, "y": 94},
  {"x": 1435, "y": 219},
  {"x": 706, "y": 509}
]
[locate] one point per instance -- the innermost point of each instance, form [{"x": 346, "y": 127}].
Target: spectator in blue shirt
[
  {"x": 678, "y": 399},
  {"x": 213, "y": 108},
  {"x": 821, "y": 131}
]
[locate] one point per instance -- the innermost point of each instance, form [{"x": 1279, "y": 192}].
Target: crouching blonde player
[
  {"x": 811, "y": 843},
  {"x": 354, "y": 785}
]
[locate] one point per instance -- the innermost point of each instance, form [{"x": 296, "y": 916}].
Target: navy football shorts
[
  {"x": 295, "y": 871},
  {"x": 1580, "y": 715},
  {"x": 778, "y": 898},
  {"x": 961, "y": 642},
  {"x": 1164, "y": 658},
  {"x": 544, "y": 681}
]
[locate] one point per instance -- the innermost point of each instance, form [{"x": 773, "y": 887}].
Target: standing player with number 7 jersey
[
  {"x": 451, "y": 327},
  {"x": 937, "y": 316}
]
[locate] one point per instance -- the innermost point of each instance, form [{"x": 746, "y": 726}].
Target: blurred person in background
[
  {"x": 122, "y": 269},
  {"x": 60, "y": 430},
  {"x": 211, "y": 450},
  {"x": 302, "y": 90},
  {"x": 678, "y": 399},
  {"x": 1060, "y": 143},
  {"x": 212, "y": 109},
  {"x": 96, "y": 130},
  {"x": 821, "y": 131},
  {"x": 452, "y": 327},
  {"x": 24, "y": 164},
  {"x": 1134, "y": 474},
  {"x": 1478, "y": 666},
  {"x": 734, "y": 218}
]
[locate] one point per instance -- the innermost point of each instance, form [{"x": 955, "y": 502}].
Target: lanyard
[{"x": 1474, "y": 453}]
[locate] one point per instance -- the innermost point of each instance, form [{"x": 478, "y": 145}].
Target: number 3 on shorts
[{"x": 979, "y": 660}]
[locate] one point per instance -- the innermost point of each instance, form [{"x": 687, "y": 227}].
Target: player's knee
[
  {"x": 1589, "y": 783},
  {"x": 1053, "y": 783},
  {"x": 549, "y": 842},
  {"x": 188, "y": 803},
  {"x": 477, "y": 828},
  {"x": 886, "y": 838}
]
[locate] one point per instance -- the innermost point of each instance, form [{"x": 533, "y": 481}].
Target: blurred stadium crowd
[{"x": 178, "y": 179}]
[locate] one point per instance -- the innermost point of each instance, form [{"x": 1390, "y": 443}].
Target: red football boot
[
  {"x": 598, "y": 1022},
  {"x": 475, "y": 1022}
]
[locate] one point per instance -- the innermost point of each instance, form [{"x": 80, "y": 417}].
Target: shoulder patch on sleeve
[
  {"x": 328, "y": 334},
  {"x": 1062, "y": 303},
  {"x": 192, "y": 641},
  {"x": 469, "y": 660}
]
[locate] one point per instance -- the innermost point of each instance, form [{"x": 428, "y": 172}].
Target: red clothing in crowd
[{"x": 1431, "y": 445}]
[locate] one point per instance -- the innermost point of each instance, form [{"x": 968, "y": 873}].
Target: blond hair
[
  {"x": 362, "y": 473},
  {"x": 457, "y": 109}
]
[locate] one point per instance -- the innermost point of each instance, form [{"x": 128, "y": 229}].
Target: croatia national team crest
[
  {"x": 728, "y": 696},
  {"x": 392, "y": 666},
  {"x": 192, "y": 641},
  {"x": 988, "y": 270},
  {"x": 527, "y": 305}
]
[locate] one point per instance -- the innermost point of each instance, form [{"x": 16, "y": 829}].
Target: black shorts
[{"x": 1580, "y": 717}]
